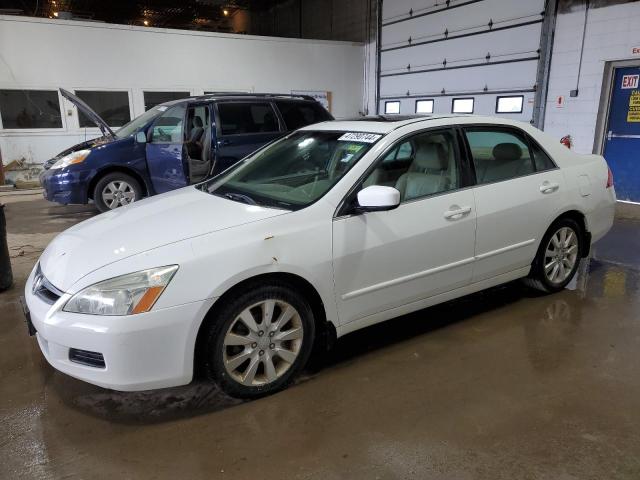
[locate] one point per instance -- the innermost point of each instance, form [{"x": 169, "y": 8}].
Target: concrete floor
[{"x": 501, "y": 385}]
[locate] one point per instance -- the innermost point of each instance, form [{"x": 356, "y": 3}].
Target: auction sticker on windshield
[{"x": 360, "y": 137}]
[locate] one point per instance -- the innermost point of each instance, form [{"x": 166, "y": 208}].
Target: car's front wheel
[
  {"x": 558, "y": 256},
  {"x": 116, "y": 190},
  {"x": 259, "y": 341}
]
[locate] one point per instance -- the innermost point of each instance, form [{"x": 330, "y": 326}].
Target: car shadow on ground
[{"x": 200, "y": 397}]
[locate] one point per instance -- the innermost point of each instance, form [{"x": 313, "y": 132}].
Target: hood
[
  {"x": 139, "y": 227},
  {"x": 88, "y": 111}
]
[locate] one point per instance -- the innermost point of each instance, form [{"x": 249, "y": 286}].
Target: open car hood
[{"x": 88, "y": 111}]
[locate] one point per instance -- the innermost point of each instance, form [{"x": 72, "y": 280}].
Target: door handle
[
  {"x": 224, "y": 143},
  {"x": 548, "y": 187},
  {"x": 456, "y": 212}
]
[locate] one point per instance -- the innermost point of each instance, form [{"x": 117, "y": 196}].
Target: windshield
[
  {"x": 294, "y": 172},
  {"x": 137, "y": 123}
]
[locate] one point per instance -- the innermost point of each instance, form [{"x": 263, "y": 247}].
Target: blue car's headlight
[{"x": 71, "y": 159}]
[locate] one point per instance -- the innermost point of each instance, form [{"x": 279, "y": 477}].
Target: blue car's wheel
[{"x": 116, "y": 190}]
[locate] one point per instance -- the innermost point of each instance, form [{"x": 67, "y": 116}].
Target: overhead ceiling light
[
  {"x": 225, "y": 12},
  {"x": 55, "y": 14},
  {"x": 146, "y": 23}
]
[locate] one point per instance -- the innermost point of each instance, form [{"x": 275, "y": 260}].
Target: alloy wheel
[
  {"x": 561, "y": 255},
  {"x": 263, "y": 342},
  {"x": 118, "y": 193}
]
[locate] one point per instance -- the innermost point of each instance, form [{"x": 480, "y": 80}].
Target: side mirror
[
  {"x": 141, "y": 137},
  {"x": 377, "y": 198}
]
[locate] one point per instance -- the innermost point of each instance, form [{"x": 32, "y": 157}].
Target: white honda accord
[{"x": 335, "y": 227}]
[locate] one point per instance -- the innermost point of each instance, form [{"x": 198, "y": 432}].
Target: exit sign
[
  {"x": 635, "y": 51},
  {"x": 630, "y": 81}
]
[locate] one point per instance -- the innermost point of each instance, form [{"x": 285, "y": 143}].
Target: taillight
[
  {"x": 609, "y": 178},
  {"x": 566, "y": 141}
]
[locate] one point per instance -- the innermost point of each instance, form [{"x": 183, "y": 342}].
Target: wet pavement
[{"x": 505, "y": 384}]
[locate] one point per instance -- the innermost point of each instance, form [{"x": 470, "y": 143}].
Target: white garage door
[{"x": 460, "y": 56}]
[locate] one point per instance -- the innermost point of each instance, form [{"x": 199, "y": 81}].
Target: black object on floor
[{"x": 6, "y": 276}]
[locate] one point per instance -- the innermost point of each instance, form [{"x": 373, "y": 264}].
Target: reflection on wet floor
[{"x": 549, "y": 330}]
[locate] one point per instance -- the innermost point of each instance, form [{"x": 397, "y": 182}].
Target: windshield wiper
[{"x": 239, "y": 197}]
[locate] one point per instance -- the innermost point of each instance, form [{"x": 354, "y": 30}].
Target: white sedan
[{"x": 333, "y": 228}]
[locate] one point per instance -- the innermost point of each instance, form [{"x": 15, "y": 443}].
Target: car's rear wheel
[
  {"x": 259, "y": 341},
  {"x": 558, "y": 256},
  {"x": 116, "y": 190}
]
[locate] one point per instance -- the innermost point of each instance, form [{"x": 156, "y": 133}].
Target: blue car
[{"x": 170, "y": 146}]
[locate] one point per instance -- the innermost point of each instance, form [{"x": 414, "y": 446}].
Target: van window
[
  {"x": 498, "y": 154},
  {"x": 169, "y": 126},
  {"x": 298, "y": 114},
  {"x": 237, "y": 118}
]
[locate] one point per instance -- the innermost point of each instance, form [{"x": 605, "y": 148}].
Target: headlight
[
  {"x": 126, "y": 295},
  {"x": 72, "y": 158}
]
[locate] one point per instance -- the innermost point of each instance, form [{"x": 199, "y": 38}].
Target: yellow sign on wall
[{"x": 633, "y": 115}]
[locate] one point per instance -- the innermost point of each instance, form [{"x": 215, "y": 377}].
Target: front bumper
[
  {"x": 141, "y": 352},
  {"x": 65, "y": 186}
]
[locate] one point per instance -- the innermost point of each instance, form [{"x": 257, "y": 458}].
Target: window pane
[
  {"x": 151, "y": 99},
  {"x": 462, "y": 105},
  {"x": 113, "y": 107},
  {"x": 297, "y": 115},
  {"x": 391, "y": 107},
  {"x": 30, "y": 109},
  {"x": 238, "y": 118},
  {"x": 168, "y": 127},
  {"x": 509, "y": 104},
  {"x": 541, "y": 159},
  {"x": 498, "y": 155},
  {"x": 424, "y": 106},
  {"x": 294, "y": 171},
  {"x": 424, "y": 165}
]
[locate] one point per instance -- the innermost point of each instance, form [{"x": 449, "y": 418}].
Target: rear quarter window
[{"x": 300, "y": 114}]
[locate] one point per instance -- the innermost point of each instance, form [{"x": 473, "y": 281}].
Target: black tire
[
  {"x": 537, "y": 278},
  {"x": 118, "y": 178},
  {"x": 214, "y": 350}
]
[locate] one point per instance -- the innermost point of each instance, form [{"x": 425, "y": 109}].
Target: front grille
[
  {"x": 43, "y": 289},
  {"x": 85, "y": 357}
]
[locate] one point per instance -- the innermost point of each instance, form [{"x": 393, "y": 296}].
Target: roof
[
  {"x": 245, "y": 95},
  {"x": 384, "y": 124}
]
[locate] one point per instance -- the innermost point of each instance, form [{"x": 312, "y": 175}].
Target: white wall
[
  {"x": 611, "y": 34},
  {"x": 48, "y": 54}
]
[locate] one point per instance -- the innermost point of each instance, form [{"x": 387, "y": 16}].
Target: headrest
[
  {"x": 197, "y": 122},
  {"x": 507, "y": 151},
  {"x": 430, "y": 156}
]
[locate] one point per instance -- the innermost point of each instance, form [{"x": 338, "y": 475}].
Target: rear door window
[
  {"x": 237, "y": 118},
  {"x": 540, "y": 158},
  {"x": 498, "y": 154},
  {"x": 300, "y": 114}
]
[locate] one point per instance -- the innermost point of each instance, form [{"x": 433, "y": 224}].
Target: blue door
[
  {"x": 622, "y": 142},
  {"x": 166, "y": 151}
]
